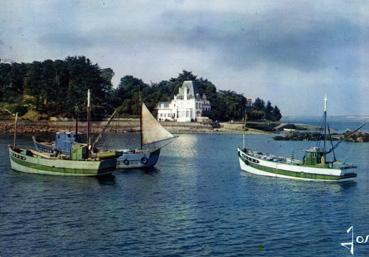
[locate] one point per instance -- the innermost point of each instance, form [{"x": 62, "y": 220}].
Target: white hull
[
  {"x": 299, "y": 169},
  {"x": 138, "y": 160},
  {"x": 252, "y": 170}
]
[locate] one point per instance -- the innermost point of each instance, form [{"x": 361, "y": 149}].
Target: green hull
[{"x": 25, "y": 161}]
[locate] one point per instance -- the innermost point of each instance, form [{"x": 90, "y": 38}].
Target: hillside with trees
[{"x": 39, "y": 90}]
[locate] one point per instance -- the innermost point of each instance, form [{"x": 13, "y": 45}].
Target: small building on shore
[{"x": 186, "y": 106}]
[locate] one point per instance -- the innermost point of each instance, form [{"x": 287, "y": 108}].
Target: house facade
[{"x": 186, "y": 106}]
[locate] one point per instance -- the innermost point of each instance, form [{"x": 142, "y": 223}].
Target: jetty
[{"x": 348, "y": 136}]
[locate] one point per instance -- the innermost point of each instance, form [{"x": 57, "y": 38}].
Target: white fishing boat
[{"x": 314, "y": 166}]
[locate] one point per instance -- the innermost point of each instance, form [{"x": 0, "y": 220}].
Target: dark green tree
[
  {"x": 276, "y": 114},
  {"x": 268, "y": 111},
  {"x": 259, "y": 104}
]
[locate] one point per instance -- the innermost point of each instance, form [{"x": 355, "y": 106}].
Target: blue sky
[{"x": 290, "y": 52}]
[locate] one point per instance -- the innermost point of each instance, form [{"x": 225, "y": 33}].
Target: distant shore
[{"x": 121, "y": 126}]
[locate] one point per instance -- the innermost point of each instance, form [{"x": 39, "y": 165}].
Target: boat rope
[
  {"x": 350, "y": 134},
  {"x": 330, "y": 140},
  {"x": 98, "y": 138}
]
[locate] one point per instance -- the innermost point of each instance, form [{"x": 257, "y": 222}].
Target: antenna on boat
[
  {"x": 15, "y": 128},
  {"x": 88, "y": 119},
  {"x": 325, "y": 128}
]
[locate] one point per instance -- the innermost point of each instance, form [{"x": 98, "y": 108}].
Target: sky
[{"x": 292, "y": 53}]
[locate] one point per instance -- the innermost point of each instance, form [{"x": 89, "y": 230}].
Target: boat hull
[
  {"x": 130, "y": 159},
  {"x": 138, "y": 160},
  {"x": 20, "y": 161},
  {"x": 298, "y": 172}
]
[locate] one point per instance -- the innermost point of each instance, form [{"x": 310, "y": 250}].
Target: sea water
[{"x": 196, "y": 202}]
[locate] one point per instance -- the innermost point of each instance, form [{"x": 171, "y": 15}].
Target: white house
[{"x": 185, "y": 107}]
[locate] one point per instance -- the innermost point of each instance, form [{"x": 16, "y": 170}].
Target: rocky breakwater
[
  {"x": 348, "y": 136},
  {"x": 357, "y": 137},
  {"x": 25, "y": 127}
]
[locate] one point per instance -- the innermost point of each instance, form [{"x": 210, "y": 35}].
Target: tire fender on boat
[
  {"x": 126, "y": 162},
  {"x": 144, "y": 160}
]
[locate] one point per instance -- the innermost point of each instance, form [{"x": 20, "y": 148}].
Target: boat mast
[
  {"x": 243, "y": 134},
  {"x": 141, "y": 136},
  {"x": 88, "y": 119},
  {"x": 325, "y": 128},
  {"x": 76, "y": 117},
  {"x": 15, "y": 128}
]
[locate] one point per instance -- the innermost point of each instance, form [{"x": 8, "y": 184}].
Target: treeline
[
  {"x": 58, "y": 88},
  {"x": 262, "y": 111},
  {"x": 55, "y": 87}
]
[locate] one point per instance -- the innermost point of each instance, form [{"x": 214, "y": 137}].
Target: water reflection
[
  {"x": 195, "y": 202},
  {"x": 296, "y": 185},
  {"x": 186, "y": 146},
  {"x": 108, "y": 179}
]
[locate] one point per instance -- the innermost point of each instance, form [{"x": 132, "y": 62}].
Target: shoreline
[{"x": 25, "y": 127}]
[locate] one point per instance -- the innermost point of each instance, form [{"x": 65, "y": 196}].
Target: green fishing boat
[
  {"x": 80, "y": 162},
  {"x": 30, "y": 161},
  {"x": 315, "y": 165}
]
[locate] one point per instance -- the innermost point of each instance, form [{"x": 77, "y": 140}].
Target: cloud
[
  {"x": 291, "y": 52},
  {"x": 306, "y": 43}
]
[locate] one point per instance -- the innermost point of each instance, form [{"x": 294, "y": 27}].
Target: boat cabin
[
  {"x": 79, "y": 152},
  {"x": 313, "y": 156},
  {"x": 64, "y": 140}
]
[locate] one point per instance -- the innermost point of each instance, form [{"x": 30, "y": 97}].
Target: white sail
[{"x": 153, "y": 134}]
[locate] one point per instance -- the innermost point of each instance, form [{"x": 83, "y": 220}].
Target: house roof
[{"x": 190, "y": 86}]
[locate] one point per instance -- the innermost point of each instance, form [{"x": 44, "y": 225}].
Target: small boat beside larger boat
[
  {"x": 314, "y": 165},
  {"x": 153, "y": 137}
]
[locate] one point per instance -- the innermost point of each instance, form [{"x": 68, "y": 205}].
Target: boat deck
[{"x": 272, "y": 158}]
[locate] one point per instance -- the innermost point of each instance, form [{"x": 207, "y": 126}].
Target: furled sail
[{"x": 154, "y": 136}]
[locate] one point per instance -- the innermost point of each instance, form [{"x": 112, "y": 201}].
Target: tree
[
  {"x": 128, "y": 94},
  {"x": 56, "y": 87},
  {"x": 268, "y": 111},
  {"x": 276, "y": 114},
  {"x": 259, "y": 104}
]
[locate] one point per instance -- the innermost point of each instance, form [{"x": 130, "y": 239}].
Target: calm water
[{"x": 196, "y": 202}]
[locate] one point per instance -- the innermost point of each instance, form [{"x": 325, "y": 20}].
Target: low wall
[{"x": 119, "y": 126}]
